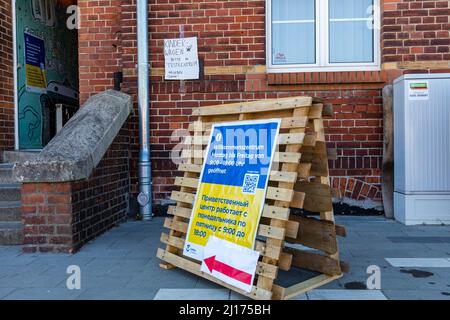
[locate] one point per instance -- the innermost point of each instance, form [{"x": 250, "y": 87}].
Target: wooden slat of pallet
[
  {"x": 253, "y": 107},
  {"x": 279, "y": 194},
  {"x": 315, "y": 262},
  {"x": 317, "y": 196},
  {"x": 271, "y": 232},
  {"x": 179, "y": 212},
  {"x": 267, "y": 250},
  {"x": 173, "y": 224},
  {"x": 286, "y": 123},
  {"x": 283, "y": 139},
  {"x": 183, "y": 197},
  {"x": 180, "y": 262},
  {"x": 308, "y": 285},
  {"x": 316, "y": 234}
]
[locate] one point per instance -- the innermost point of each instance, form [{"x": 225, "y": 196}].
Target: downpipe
[{"x": 144, "y": 164}]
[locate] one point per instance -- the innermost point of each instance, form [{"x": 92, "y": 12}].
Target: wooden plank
[
  {"x": 308, "y": 285},
  {"x": 298, "y": 200},
  {"x": 182, "y": 197},
  {"x": 279, "y": 176},
  {"x": 304, "y": 170},
  {"x": 285, "y": 261},
  {"x": 267, "y": 250},
  {"x": 271, "y": 232},
  {"x": 189, "y": 167},
  {"x": 287, "y": 157},
  {"x": 286, "y": 123},
  {"x": 179, "y": 212},
  {"x": 317, "y": 196},
  {"x": 172, "y": 241},
  {"x": 176, "y": 225},
  {"x": 193, "y": 267},
  {"x": 292, "y": 228},
  {"x": 279, "y": 194},
  {"x": 315, "y": 112},
  {"x": 314, "y": 233},
  {"x": 186, "y": 182},
  {"x": 283, "y": 139},
  {"x": 275, "y": 212},
  {"x": 253, "y": 107},
  {"x": 315, "y": 262}
]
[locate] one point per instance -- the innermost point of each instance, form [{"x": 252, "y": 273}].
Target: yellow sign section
[{"x": 233, "y": 185}]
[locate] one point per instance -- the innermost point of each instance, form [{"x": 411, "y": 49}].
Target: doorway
[{"x": 46, "y": 53}]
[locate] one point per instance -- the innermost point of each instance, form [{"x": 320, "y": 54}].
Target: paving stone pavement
[{"x": 121, "y": 265}]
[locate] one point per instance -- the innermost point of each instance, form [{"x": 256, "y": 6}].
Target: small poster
[
  {"x": 233, "y": 185},
  {"x": 418, "y": 90},
  {"x": 181, "y": 59},
  {"x": 230, "y": 263},
  {"x": 35, "y": 64}
]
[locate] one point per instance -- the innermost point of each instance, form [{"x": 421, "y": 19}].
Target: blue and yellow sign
[
  {"x": 233, "y": 184},
  {"x": 35, "y": 63}
]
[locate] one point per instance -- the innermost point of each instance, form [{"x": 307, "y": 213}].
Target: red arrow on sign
[{"x": 227, "y": 270}]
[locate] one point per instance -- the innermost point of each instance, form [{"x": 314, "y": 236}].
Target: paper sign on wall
[
  {"x": 418, "y": 90},
  {"x": 230, "y": 263},
  {"x": 181, "y": 59},
  {"x": 233, "y": 184}
]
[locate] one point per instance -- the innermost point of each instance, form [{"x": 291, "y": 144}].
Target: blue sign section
[
  {"x": 240, "y": 154},
  {"x": 34, "y": 51}
]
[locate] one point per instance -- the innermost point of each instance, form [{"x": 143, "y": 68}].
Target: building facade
[{"x": 344, "y": 51}]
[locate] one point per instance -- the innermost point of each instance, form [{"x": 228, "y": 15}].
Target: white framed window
[{"x": 323, "y": 35}]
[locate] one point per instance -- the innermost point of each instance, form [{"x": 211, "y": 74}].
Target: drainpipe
[{"x": 144, "y": 165}]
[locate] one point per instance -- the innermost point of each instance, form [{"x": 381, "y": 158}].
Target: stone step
[
  {"x": 19, "y": 156},
  {"x": 6, "y": 170},
  {"x": 10, "y": 211},
  {"x": 11, "y": 233},
  {"x": 9, "y": 192}
]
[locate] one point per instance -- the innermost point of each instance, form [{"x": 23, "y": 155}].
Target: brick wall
[
  {"x": 6, "y": 78},
  {"x": 415, "y": 35},
  {"x": 61, "y": 217},
  {"x": 100, "y": 47},
  {"x": 231, "y": 38}
]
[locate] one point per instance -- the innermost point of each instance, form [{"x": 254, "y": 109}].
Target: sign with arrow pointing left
[{"x": 231, "y": 263}]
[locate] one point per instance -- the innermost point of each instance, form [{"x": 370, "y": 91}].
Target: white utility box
[{"x": 422, "y": 149}]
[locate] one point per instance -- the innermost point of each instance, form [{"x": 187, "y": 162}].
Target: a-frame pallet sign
[{"x": 299, "y": 179}]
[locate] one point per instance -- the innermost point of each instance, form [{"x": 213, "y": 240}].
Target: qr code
[{"x": 250, "y": 183}]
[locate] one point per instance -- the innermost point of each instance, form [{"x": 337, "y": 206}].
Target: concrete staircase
[{"x": 11, "y": 227}]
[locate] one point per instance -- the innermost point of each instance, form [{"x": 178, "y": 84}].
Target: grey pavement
[{"x": 122, "y": 265}]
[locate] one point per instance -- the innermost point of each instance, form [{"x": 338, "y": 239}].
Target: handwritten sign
[{"x": 181, "y": 59}]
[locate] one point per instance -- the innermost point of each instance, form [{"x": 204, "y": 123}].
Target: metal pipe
[{"x": 144, "y": 165}]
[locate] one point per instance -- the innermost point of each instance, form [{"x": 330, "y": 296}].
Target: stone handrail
[{"x": 78, "y": 148}]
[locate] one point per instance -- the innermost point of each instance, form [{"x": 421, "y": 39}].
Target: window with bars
[{"x": 334, "y": 35}]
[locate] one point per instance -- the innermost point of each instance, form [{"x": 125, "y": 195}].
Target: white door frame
[{"x": 16, "y": 98}]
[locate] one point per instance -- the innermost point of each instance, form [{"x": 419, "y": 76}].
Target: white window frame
[{"x": 322, "y": 45}]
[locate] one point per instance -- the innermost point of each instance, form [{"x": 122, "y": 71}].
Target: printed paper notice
[{"x": 233, "y": 184}]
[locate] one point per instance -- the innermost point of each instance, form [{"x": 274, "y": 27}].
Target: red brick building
[{"x": 256, "y": 50}]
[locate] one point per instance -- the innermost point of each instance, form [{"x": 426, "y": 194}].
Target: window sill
[{"x": 331, "y": 77}]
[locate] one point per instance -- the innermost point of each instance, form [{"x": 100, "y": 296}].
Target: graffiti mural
[{"x": 47, "y": 68}]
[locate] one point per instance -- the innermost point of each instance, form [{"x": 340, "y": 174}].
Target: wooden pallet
[{"x": 299, "y": 179}]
